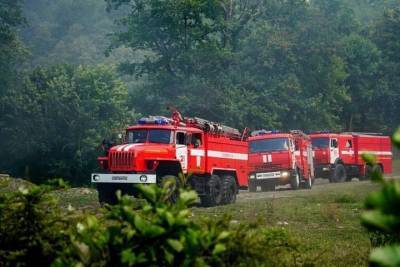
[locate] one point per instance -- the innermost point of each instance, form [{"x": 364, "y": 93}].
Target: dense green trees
[
  {"x": 59, "y": 118},
  {"x": 309, "y": 64}
]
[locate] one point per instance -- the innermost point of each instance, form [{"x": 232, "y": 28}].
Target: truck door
[
  {"x": 181, "y": 150},
  {"x": 333, "y": 150},
  {"x": 347, "y": 150},
  {"x": 196, "y": 153}
]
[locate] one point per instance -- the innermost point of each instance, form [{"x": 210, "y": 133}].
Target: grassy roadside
[{"x": 325, "y": 221}]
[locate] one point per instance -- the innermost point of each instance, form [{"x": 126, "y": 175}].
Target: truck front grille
[
  {"x": 121, "y": 160},
  {"x": 266, "y": 167}
]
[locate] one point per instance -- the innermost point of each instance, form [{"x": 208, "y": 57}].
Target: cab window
[
  {"x": 349, "y": 144},
  {"x": 180, "y": 138},
  {"x": 196, "y": 140}
]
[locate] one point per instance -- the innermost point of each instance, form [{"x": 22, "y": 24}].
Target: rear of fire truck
[
  {"x": 161, "y": 149},
  {"x": 338, "y": 156},
  {"x": 277, "y": 158}
]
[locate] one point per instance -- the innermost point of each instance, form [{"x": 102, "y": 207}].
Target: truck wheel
[
  {"x": 295, "y": 180},
  {"x": 367, "y": 175},
  {"x": 377, "y": 169},
  {"x": 308, "y": 183},
  {"x": 107, "y": 194},
  {"x": 213, "y": 195},
  {"x": 252, "y": 186},
  {"x": 229, "y": 189},
  {"x": 172, "y": 187},
  {"x": 339, "y": 174}
]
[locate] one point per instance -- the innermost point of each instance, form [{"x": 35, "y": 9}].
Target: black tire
[
  {"x": 368, "y": 172},
  {"x": 229, "y": 189},
  {"x": 252, "y": 186},
  {"x": 339, "y": 174},
  {"x": 107, "y": 194},
  {"x": 308, "y": 183},
  {"x": 295, "y": 180},
  {"x": 378, "y": 169},
  {"x": 172, "y": 188},
  {"x": 213, "y": 195}
]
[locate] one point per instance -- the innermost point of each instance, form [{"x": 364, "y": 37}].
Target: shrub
[
  {"x": 36, "y": 231},
  {"x": 382, "y": 217},
  {"x": 32, "y": 230}
]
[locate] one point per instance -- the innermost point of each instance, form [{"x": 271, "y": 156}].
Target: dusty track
[{"x": 320, "y": 186}]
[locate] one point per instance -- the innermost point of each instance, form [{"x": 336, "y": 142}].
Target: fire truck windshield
[
  {"x": 151, "y": 136},
  {"x": 321, "y": 142},
  {"x": 269, "y": 145}
]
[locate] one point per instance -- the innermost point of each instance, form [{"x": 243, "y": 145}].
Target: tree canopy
[{"x": 72, "y": 71}]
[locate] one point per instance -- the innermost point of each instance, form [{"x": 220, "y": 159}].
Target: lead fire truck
[
  {"x": 338, "y": 155},
  {"x": 280, "y": 158},
  {"x": 212, "y": 156}
]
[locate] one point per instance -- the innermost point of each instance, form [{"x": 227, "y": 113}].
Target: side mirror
[{"x": 106, "y": 144}]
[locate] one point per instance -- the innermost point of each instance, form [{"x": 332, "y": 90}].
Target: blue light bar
[
  {"x": 142, "y": 121},
  {"x": 158, "y": 120}
]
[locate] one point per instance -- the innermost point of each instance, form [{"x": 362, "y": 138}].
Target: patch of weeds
[
  {"x": 345, "y": 198},
  {"x": 331, "y": 212}
]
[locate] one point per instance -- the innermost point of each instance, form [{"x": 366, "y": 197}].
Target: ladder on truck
[{"x": 213, "y": 127}]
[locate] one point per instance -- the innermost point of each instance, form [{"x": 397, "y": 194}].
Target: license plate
[
  {"x": 268, "y": 175},
  {"x": 138, "y": 178}
]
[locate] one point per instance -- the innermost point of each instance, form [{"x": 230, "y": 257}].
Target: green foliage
[
  {"x": 32, "y": 230},
  {"x": 290, "y": 64},
  {"x": 382, "y": 218},
  {"x": 70, "y": 111},
  {"x": 159, "y": 233}
]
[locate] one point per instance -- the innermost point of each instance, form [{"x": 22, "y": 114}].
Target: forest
[{"x": 74, "y": 72}]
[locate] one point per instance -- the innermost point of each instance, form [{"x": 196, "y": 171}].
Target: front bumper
[
  {"x": 279, "y": 177},
  {"x": 124, "y": 178},
  {"x": 323, "y": 170}
]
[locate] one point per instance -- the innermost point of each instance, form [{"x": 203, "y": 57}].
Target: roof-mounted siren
[{"x": 157, "y": 120}]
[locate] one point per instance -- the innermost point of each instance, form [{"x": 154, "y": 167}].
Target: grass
[{"x": 326, "y": 221}]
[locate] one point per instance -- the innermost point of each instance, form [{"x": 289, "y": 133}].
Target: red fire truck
[
  {"x": 212, "y": 156},
  {"x": 280, "y": 158},
  {"x": 338, "y": 155}
]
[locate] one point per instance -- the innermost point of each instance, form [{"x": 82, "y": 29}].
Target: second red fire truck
[
  {"x": 280, "y": 158},
  {"x": 158, "y": 149},
  {"x": 338, "y": 155}
]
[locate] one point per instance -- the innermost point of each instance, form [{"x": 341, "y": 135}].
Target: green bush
[
  {"x": 382, "y": 217},
  {"x": 34, "y": 230},
  {"x": 162, "y": 234}
]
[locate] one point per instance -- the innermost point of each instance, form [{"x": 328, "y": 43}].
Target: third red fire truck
[
  {"x": 280, "y": 158},
  {"x": 212, "y": 156},
  {"x": 338, "y": 155}
]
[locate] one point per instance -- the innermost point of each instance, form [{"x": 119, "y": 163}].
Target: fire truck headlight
[
  {"x": 285, "y": 174},
  {"x": 252, "y": 176}
]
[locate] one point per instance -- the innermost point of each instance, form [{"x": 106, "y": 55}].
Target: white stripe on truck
[{"x": 380, "y": 153}]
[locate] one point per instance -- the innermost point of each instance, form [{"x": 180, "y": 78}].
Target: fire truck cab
[
  {"x": 211, "y": 156},
  {"x": 280, "y": 158},
  {"x": 338, "y": 155}
]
